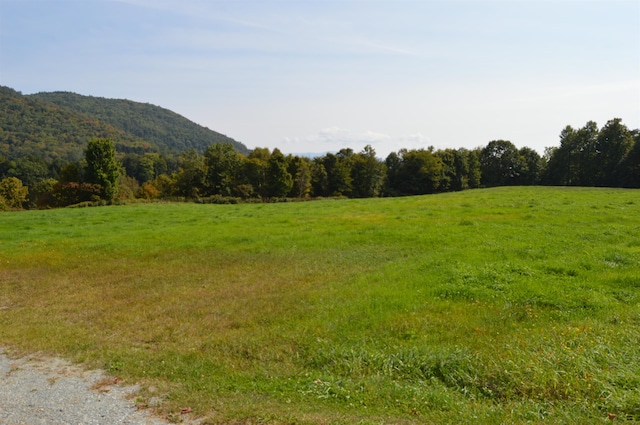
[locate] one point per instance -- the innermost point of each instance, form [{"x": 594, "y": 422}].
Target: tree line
[{"x": 609, "y": 156}]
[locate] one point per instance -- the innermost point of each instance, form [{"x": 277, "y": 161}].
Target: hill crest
[
  {"x": 144, "y": 120},
  {"x": 57, "y": 126}
]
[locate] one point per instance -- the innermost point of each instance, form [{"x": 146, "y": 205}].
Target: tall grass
[{"x": 510, "y": 305}]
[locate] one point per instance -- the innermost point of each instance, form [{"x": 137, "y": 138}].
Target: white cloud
[{"x": 332, "y": 139}]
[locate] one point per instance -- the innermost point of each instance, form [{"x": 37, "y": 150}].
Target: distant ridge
[
  {"x": 57, "y": 126},
  {"x": 29, "y": 127},
  {"x": 165, "y": 128}
]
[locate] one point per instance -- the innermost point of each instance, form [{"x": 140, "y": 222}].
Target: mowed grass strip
[{"x": 508, "y": 305}]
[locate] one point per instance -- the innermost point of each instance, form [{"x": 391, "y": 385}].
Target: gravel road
[{"x": 37, "y": 390}]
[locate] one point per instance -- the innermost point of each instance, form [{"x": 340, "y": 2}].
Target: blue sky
[{"x": 317, "y": 76}]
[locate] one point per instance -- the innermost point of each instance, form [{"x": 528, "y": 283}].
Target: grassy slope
[{"x": 510, "y": 305}]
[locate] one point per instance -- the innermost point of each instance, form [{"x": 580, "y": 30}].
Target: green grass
[{"x": 508, "y": 305}]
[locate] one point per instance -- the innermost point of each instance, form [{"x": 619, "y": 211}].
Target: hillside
[
  {"x": 57, "y": 126},
  {"x": 164, "y": 128},
  {"x": 32, "y": 127}
]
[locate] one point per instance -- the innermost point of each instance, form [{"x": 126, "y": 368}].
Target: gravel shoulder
[{"x": 39, "y": 390}]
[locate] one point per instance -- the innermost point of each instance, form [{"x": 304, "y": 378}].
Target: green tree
[
  {"x": 4, "y": 166},
  {"x": 165, "y": 186},
  {"x": 30, "y": 169},
  {"x": 12, "y": 193},
  {"x": 368, "y": 174},
  {"x": 590, "y": 157},
  {"x": 223, "y": 165},
  {"x": 630, "y": 174},
  {"x": 255, "y": 171},
  {"x": 40, "y": 193},
  {"x": 583, "y": 152},
  {"x": 135, "y": 167},
  {"x": 337, "y": 169},
  {"x": 319, "y": 178},
  {"x": 500, "y": 163},
  {"x": 190, "y": 180},
  {"x": 613, "y": 143},
  {"x": 301, "y": 170},
  {"x": 71, "y": 173},
  {"x": 448, "y": 174},
  {"x": 474, "y": 179},
  {"x": 532, "y": 166},
  {"x": 279, "y": 180},
  {"x": 128, "y": 187},
  {"x": 455, "y": 169},
  {"x": 394, "y": 164},
  {"x": 558, "y": 169},
  {"x": 413, "y": 172},
  {"x": 102, "y": 167}
]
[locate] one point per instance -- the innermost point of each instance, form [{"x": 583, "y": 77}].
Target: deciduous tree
[
  {"x": 191, "y": 176},
  {"x": 223, "y": 165},
  {"x": 12, "y": 193},
  {"x": 413, "y": 172},
  {"x": 500, "y": 163},
  {"x": 337, "y": 170},
  {"x": 300, "y": 170},
  {"x": 631, "y": 164},
  {"x": 591, "y": 157},
  {"x": 613, "y": 143},
  {"x": 531, "y": 164},
  {"x": 255, "y": 170},
  {"x": 367, "y": 174},
  {"x": 103, "y": 167},
  {"x": 279, "y": 180}
]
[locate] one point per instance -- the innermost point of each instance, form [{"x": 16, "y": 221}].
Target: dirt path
[{"x": 38, "y": 390}]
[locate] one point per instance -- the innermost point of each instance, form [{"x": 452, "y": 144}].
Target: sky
[{"x": 316, "y": 76}]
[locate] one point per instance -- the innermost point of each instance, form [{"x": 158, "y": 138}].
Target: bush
[
  {"x": 12, "y": 193},
  {"x": 218, "y": 199}
]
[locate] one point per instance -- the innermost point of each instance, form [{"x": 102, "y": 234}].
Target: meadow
[{"x": 506, "y": 305}]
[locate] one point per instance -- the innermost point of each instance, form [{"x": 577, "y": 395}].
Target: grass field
[{"x": 507, "y": 305}]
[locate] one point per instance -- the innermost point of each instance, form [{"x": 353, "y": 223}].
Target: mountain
[
  {"x": 164, "y": 128},
  {"x": 32, "y": 127},
  {"x": 57, "y": 126}
]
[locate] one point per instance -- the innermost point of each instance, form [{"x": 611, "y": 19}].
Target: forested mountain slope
[
  {"x": 57, "y": 127},
  {"x": 29, "y": 127},
  {"x": 166, "y": 129}
]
